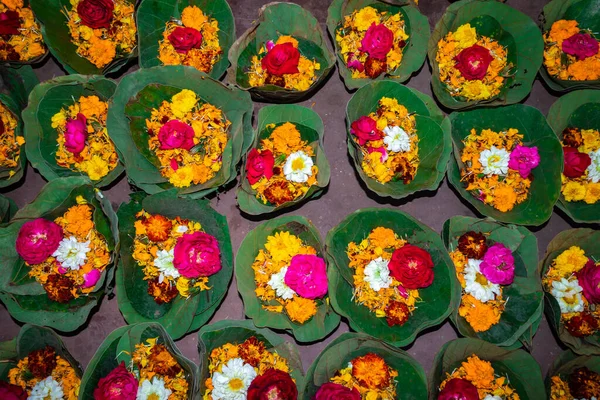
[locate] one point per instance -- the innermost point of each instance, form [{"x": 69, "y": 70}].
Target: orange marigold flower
[
  {"x": 251, "y": 351},
  {"x": 79, "y": 220},
  {"x": 563, "y": 29},
  {"x": 383, "y": 237},
  {"x": 397, "y": 313},
  {"x": 481, "y": 316},
  {"x": 162, "y": 362},
  {"x": 504, "y": 198},
  {"x": 278, "y": 193},
  {"x": 583, "y": 324},
  {"x": 158, "y": 228},
  {"x": 162, "y": 292},
  {"x": 371, "y": 371},
  {"x": 572, "y": 137},
  {"x": 472, "y": 244},
  {"x": 479, "y": 372},
  {"x": 41, "y": 362},
  {"x": 300, "y": 309},
  {"x": 59, "y": 288},
  {"x": 101, "y": 52}
]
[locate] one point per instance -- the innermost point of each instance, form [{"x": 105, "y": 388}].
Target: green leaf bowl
[{"x": 566, "y": 363}]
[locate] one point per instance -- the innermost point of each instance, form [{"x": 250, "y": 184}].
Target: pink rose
[
  {"x": 524, "y": 159},
  {"x": 377, "y": 42},
  {"x": 11, "y": 392},
  {"x": 498, "y": 265},
  {"x": 37, "y": 240},
  {"x": 119, "y": 384},
  {"x": 307, "y": 276},
  {"x": 365, "y": 129},
  {"x": 76, "y": 134},
  {"x": 176, "y": 135},
  {"x": 335, "y": 391},
  {"x": 197, "y": 254},
  {"x": 580, "y": 45},
  {"x": 589, "y": 280}
]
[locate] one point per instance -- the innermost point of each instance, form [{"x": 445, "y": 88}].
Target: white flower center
[
  {"x": 153, "y": 390},
  {"x": 298, "y": 167},
  {"x": 396, "y": 139},
  {"x": 494, "y": 161},
  {"x": 70, "y": 253},
  {"x": 477, "y": 285},
  {"x": 568, "y": 294},
  {"x": 233, "y": 381}
]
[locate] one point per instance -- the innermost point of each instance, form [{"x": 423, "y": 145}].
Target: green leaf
[
  {"x": 48, "y": 99},
  {"x": 417, "y": 28},
  {"x": 524, "y": 297},
  {"x": 437, "y": 302},
  {"x": 433, "y": 130},
  {"x": 141, "y": 91},
  {"x": 153, "y": 15},
  {"x": 520, "y": 368},
  {"x": 135, "y": 303},
  {"x": 587, "y": 14},
  {"x": 586, "y": 239},
  {"x": 8, "y": 208},
  {"x": 311, "y": 129},
  {"x": 53, "y": 21},
  {"x": 511, "y": 28},
  {"x": 231, "y": 331},
  {"x": 320, "y": 325},
  {"x": 545, "y": 187},
  {"x": 579, "y": 109},
  {"x": 411, "y": 380},
  {"x": 274, "y": 20},
  {"x": 567, "y": 362}
]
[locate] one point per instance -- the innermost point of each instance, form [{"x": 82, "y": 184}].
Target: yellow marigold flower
[
  {"x": 96, "y": 168},
  {"x": 465, "y": 35},
  {"x": 559, "y": 389},
  {"x": 591, "y": 140},
  {"x": 183, "y": 102},
  {"x": 59, "y": 119},
  {"x": 20, "y": 140},
  {"x": 300, "y": 309},
  {"x": 571, "y": 260},
  {"x": 283, "y": 246},
  {"x": 573, "y": 191},
  {"x": 479, "y": 372},
  {"x": 476, "y": 90},
  {"x": 287, "y": 39},
  {"x": 193, "y": 17},
  {"x": 592, "y": 193},
  {"x": 183, "y": 286},
  {"x": 13, "y": 4},
  {"x": 182, "y": 177},
  {"x": 365, "y": 18},
  {"x": 504, "y": 197}
]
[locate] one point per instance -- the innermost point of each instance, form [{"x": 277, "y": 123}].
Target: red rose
[
  {"x": 473, "y": 62},
  {"x": 589, "y": 280},
  {"x": 365, "y": 129},
  {"x": 37, "y": 240},
  {"x": 259, "y": 164},
  {"x": 185, "y": 39},
  {"x": 335, "y": 391},
  {"x": 273, "y": 384},
  {"x": 377, "y": 42},
  {"x": 197, "y": 254},
  {"x": 575, "y": 162},
  {"x": 11, "y": 392},
  {"x": 96, "y": 13},
  {"x": 176, "y": 135},
  {"x": 412, "y": 266},
  {"x": 119, "y": 384},
  {"x": 281, "y": 59},
  {"x": 580, "y": 45},
  {"x": 459, "y": 389},
  {"x": 10, "y": 22}
]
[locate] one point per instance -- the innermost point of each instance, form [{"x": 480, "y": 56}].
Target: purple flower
[
  {"x": 524, "y": 159},
  {"x": 580, "y": 45},
  {"x": 498, "y": 265}
]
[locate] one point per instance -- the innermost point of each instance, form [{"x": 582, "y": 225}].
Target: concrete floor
[{"x": 345, "y": 195}]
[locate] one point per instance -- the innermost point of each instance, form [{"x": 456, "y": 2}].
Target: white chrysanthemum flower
[
  {"x": 298, "y": 167},
  {"x": 494, "y": 161},
  {"x": 396, "y": 139},
  {"x": 377, "y": 274},
  {"x": 153, "y": 390},
  {"x": 182, "y": 229},
  {"x": 47, "y": 389},
  {"x": 233, "y": 381},
  {"x": 70, "y": 253},
  {"x": 568, "y": 294},
  {"x": 593, "y": 170},
  {"x": 164, "y": 263},
  {"x": 277, "y": 283},
  {"x": 492, "y": 397},
  {"x": 477, "y": 285}
]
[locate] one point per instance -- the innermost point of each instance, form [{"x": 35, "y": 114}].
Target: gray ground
[{"x": 345, "y": 195}]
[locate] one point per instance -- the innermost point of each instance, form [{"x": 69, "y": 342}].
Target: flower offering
[
  {"x": 372, "y": 42},
  {"x": 10, "y": 141},
  {"x": 581, "y": 173},
  {"x": 20, "y": 35},
  {"x": 83, "y": 141},
  {"x": 582, "y": 383},
  {"x": 188, "y": 136},
  {"x": 388, "y": 141}
]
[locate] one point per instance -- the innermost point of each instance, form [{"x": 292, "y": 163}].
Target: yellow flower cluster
[
  {"x": 398, "y": 165},
  {"x": 252, "y": 351},
  {"x": 10, "y": 145},
  {"x": 370, "y": 376},
  {"x": 99, "y": 156},
  {"x": 352, "y": 31},
  {"x": 457, "y": 85},
  {"x": 62, "y": 373},
  {"x": 154, "y": 233},
  {"x": 500, "y": 192},
  {"x": 381, "y": 242},
  {"x": 559, "y": 389},
  {"x": 203, "y": 57},
  {"x": 284, "y": 140},
  {"x": 565, "y": 265},
  {"x": 481, "y": 316},
  {"x": 28, "y": 44},
  {"x": 279, "y": 250},
  {"x": 482, "y": 375},
  {"x": 201, "y": 163},
  {"x": 300, "y": 81},
  {"x": 76, "y": 222},
  {"x": 566, "y": 66},
  {"x": 154, "y": 360},
  {"x": 582, "y": 189},
  {"x": 101, "y": 46}
]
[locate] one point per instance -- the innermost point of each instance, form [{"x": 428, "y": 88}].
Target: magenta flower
[
  {"x": 37, "y": 240},
  {"x": 119, "y": 384},
  {"x": 307, "y": 276},
  {"x": 498, "y": 265},
  {"x": 524, "y": 159},
  {"x": 589, "y": 280},
  {"x": 91, "y": 278},
  {"x": 377, "y": 42},
  {"x": 580, "y": 45},
  {"x": 197, "y": 254},
  {"x": 354, "y": 63},
  {"x": 76, "y": 134}
]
